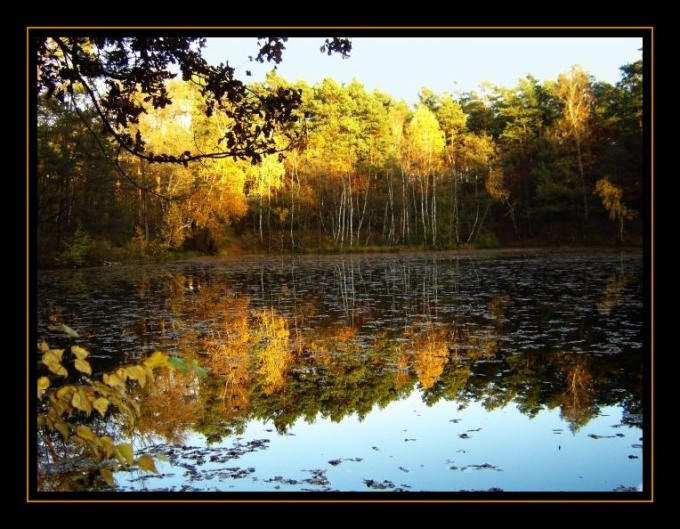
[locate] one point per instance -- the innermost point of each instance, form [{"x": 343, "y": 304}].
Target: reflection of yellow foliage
[
  {"x": 612, "y": 296},
  {"x": 171, "y": 405},
  {"x": 431, "y": 354},
  {"x": 272, "y": 350},
  {"x": 577, "y": 400},
  {"x": 331, "y": 340},
  {"x": 402, "y": 365},
  {"x": 482, "y": 347},
  {"x": 497, "y": 307}
]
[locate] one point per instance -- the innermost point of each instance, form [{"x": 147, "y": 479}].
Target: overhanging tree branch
[{"x": 134, "y": 72}]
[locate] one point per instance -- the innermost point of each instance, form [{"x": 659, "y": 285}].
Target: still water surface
[{"x": 518, "y": 371}]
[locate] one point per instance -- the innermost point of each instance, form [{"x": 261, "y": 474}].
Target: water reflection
[{"x": 331, "y": 338}]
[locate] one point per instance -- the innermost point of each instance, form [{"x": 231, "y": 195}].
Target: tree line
[{"x": 553, "y": 162}]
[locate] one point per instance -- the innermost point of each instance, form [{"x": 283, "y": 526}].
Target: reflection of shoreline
[{"x": 284, "y": 341}]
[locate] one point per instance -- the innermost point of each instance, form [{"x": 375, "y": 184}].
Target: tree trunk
[{"x": 579, "y": 156}]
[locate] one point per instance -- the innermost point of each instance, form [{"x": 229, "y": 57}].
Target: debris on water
[
  {"x": 455, "y": 420},
  {"x": 596, "y": 436},
  {"x": 379, "y": 485},
  {"x": 407, "y": 440},
  {"x": 464, "y": 436},
  {"x": 485, "y": 466},
  {"x": 376, "y": 448},
  {"x": 318, "y": 477},
  {"x": 492, "y": 489},
  {"x": 636, "y": 445},
  {"x": 631, "y": 456},
  {"x": 404, "y": 469},
  {"x": 623, "y": 488},
  {"x": 475, "y": 430},
  {"x": 335, "y": 462},
  {"x": 282, "y": 480}
]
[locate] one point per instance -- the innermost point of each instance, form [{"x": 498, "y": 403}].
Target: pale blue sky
[{"x": 402, "y": 66}]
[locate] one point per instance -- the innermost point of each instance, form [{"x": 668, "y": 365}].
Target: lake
[{"x": 450, "y": 371}]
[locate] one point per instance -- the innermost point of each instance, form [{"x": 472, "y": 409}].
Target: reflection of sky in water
[
  {"x": 287, "y": 338},
  {"x": 417, "y": 446}
]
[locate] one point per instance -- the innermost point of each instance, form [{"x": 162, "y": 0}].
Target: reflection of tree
[
  {"x": 577, "y": 400},
  {"x": 612, "y": 295},
  {"x": 171, "y": 405},
  {"x": 430, "y": 353},
  {"x": 279, "y": 362},
  {"x": 272, "y": 350}
]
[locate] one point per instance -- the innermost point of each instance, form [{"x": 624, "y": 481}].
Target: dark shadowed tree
[{"x": 122, "y": 77}]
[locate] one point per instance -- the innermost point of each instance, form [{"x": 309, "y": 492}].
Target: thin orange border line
[{"x": 314, "y": 500}]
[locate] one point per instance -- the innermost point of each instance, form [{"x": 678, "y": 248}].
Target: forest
[{"x": 558, "y": 162}]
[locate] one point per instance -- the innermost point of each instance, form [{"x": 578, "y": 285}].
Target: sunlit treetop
[{"x": 123, "y": 76}]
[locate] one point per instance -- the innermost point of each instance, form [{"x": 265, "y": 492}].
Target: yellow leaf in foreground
[
  {"x": 83, "y": 366},
  {"x": 157, "y": 359},
  {"x": 81, "y": 402},
  {"x": 79, "y": 352},
  {"x": 125, "y": 453},
  {"x": 56, "y": 368},
  {"x": 113, "y": 381},
  {"x": 106, "y": 444},
  {"x": 147, "y": 464},
  {"x": 62, "y": 428},
  {"x": 136, "y": 373},
  {"x": 108, "y": 477},
  {"x": 85, "y": 433},
  {"x": 43, "y": 347},
  {"x": 101, "y": 405},
  {"x": 43, "y": 384}
]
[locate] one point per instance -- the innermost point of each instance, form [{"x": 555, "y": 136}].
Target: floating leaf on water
[
  {"x": 107, "y": 475},
  {"x": 157, "y": 359},
  {"x": 83, "y": 366},
  {"x": 43, "y": 384},
  {"x": 79, "y": 352},
  {"x": 101, "y": 405},
  {"x": 147, "y": 464}
]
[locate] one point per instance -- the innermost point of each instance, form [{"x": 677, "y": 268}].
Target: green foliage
[
  {"x": 487, "y": 239},
  {"x": 142, "y": 248},
  {"x": 78, "y": 249}
]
